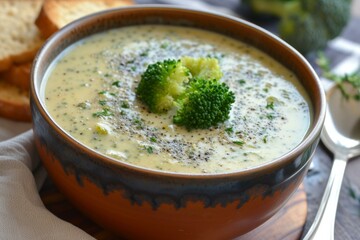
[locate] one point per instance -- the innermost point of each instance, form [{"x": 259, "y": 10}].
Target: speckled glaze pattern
[
  {"x": 141, "y": 188},
  {"x": 139, "y": 203}
]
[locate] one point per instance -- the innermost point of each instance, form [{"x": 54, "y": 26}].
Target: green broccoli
[
  {"x": 307, "y": 25},
  {"x": 190, "y": 84},
  {"x": 207, "y": 68},
  {"x": 204, "y": 103},
  {"x": 161, "y": 83}
]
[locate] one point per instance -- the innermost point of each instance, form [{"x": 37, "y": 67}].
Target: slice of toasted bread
[
  {"x": 14, "y": 102},
  {"x": 55, "y": 14},
  {"x": 19, "y": 37},
  {"x": 18, "y": 75}
]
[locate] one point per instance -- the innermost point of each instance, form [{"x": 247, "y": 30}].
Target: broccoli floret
[
  {"x": 192, "y": 85},
  {"x": 313, "y": 34},
  {"x": 307, "y": 25},
  {"x": 204, "y": 103},
  {"x": 207, "y": 68},
  {"x": 161, "y": 83},
  {"x": 333, "y": 13}
]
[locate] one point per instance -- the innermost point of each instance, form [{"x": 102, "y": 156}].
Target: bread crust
[
  {"x": 19, "y": 38},
  {"x": 14, "y": 102},
  {"x": 55, "y": 14},
  {"x": 44, "y": 22},
  {"x": 18, "y": 75},
  {"x": 5, "y": 63}
]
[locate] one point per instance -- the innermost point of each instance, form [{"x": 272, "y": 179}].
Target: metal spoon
[{"x": 341, "y": 135}]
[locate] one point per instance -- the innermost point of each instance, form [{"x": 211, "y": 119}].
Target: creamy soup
[{"x": 90, "y": 93}]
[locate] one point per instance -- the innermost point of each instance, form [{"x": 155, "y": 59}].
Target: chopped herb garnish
[
  {"x": 153, "y": 139},
  {"x": 102, "y": 102},
  {"x": 149, "y": 149},
  {"x": 229, "y": 130},
  {"x": 104, "y": 113},
  {"x": 285, "y": 94},
  {"x": 107, "y": 75},
  {"x": 106, "y": 92},
  {"x": 125, "y": 104},
  {"x": 270, "y": 116},
  {"x": 116, "y": 84},
  {"x": 138, "y": 123},
  {"x": 133, "y": 68},
  {"x": 270, "y": 105},
  {"x": 352, "y": 193},
  {"x": 266, "y": 90},
  {"x": 84, "y": 105},
  {"x": 240, "y": 143},
  {"x": 265, "y": 139},
  {"x": 214, "y": 55},
  {"x": 144, "y": 54},
  {"x": 242, "y": 81},
  {"x": 352, "y": 79}
]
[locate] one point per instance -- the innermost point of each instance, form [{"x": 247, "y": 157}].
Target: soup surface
[{"x": 90, "y": 93}]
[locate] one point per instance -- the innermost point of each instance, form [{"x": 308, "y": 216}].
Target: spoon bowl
[
  {"x": 341, "y": 131},
  {"x": 341, "y": 135}
]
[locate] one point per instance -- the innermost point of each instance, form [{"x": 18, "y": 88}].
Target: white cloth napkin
[{"x": 22, "y": 213}]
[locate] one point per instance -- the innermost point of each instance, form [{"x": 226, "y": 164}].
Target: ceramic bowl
[{"x": 138, "y": 203}]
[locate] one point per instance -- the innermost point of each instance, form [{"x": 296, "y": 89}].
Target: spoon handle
[{"x": 324, "y": 222}]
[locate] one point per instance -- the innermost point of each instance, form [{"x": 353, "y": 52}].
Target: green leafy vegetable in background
[
  {"x": 352, "y": 79},
  {"x": 307, "y": 25}
]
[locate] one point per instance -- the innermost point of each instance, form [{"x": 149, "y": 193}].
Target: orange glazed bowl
[{"x": 139, "y": 203}]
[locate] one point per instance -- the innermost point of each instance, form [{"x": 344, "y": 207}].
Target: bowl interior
[{"x": 233, "y": 27}]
